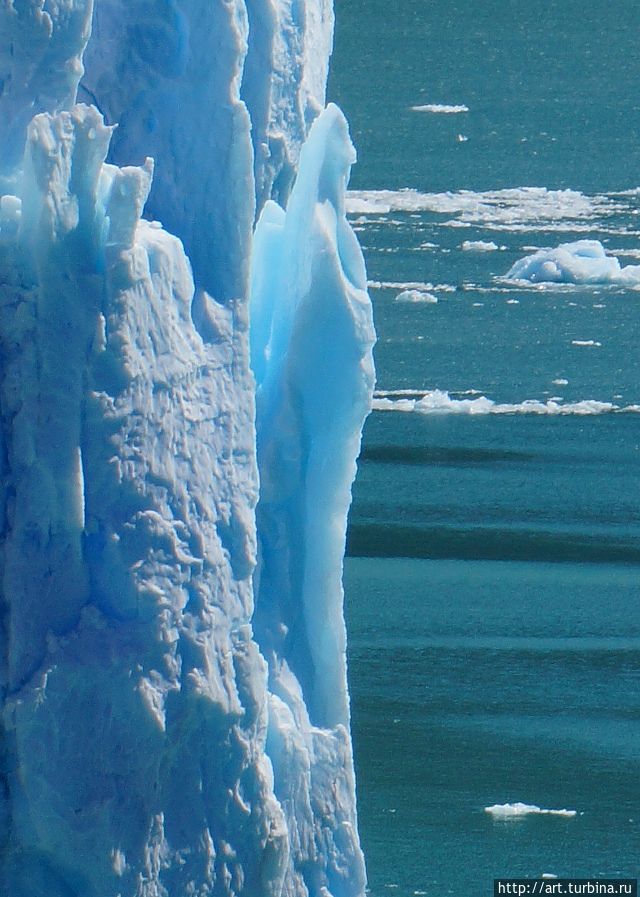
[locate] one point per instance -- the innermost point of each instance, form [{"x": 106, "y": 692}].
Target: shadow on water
[{"x": 480, "y": 543}]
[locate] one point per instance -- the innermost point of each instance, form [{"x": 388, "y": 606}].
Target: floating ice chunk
[
  {"x": 582, "y": 262},
  {"x": 438, "y": 401},
  {"x": 479, "y": 246},
  {"x": 399, "y": 393},
  {"x": 629, "y": 253},
  {"x": 417, "y": 296},
  {"x": 399, "y": 285},
  {"x": 420, "y": 285},
  {"x": 517, "y": 810},
  {"x": 440, "y": 109},
  {"x": 560, "y": 381},
  {"x": 385, "y": 404},
  {"x": 462, "y": 138}
]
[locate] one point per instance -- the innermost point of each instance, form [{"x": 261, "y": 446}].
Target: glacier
[{"x": 181, "y": 403}]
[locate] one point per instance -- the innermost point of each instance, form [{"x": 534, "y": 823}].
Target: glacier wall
[
  {"x": 205, "y": 88},
  {"x": 174, "y": 707}
]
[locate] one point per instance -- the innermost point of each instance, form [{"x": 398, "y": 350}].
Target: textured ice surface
[
  {"x": 40, "y": 66},
  {"x": 582, "y": 262},
  {"x": 283, "y": 85},
  {"x": 169, "y": 74},
  {"x": 156, "y": 740},
  {"x": 175, "y": 75}
]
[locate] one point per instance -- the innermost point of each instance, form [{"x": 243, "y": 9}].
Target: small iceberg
[
  {"x": 479, "y": 246},
  {"x": 582, "y": 262},
  {"x": 417, "y": 296},
  {"x": 518, "y": 810}
]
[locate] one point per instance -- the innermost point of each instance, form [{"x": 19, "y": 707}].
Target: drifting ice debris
[{"x": 440, "y": 108}]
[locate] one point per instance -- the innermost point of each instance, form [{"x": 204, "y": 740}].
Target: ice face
[
  {"x": 128, "y": 549},
  {"x": 169, "y": 74},
  {"x": 161, "y": 734},
  {"x": 40, "y": 66},
  {"x": 283, "y": 85},
  {"x": 202, "y": 87}
]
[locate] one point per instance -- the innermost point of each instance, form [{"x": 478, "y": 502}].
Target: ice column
[{"x": 311, "y": 343}]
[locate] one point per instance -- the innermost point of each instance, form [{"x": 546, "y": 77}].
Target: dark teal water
[{"x": 493, "y": 577}]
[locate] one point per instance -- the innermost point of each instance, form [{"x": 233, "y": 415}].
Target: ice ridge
[{"x": 174, "y": 710}]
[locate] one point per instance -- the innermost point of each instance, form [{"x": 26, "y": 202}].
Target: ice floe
[
  {"x": 516, "y": 209},
  {"x": 437, "y": 401},
  {"x": 421, "y": 285}
]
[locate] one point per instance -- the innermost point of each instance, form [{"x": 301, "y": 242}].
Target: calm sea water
[{"x": 493, "y": 582}]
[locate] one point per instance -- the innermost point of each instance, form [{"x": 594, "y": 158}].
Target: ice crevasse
[{"x": 175, "y": 479}]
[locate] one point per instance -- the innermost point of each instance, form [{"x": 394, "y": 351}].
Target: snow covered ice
[{"x": 174, "y": 704}]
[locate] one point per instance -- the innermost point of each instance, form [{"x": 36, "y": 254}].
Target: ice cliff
[{"x": 175, "y": 718}]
